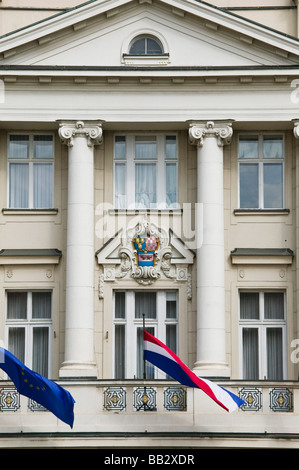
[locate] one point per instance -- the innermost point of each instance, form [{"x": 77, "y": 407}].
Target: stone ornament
[
  {"x": 198, "y": 132},
  {"x": 69, "y": 130}
]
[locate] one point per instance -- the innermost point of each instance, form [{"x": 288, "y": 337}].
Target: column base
[
  {"x": 208, "y": 370},
  {"x": 78, "y": 370}
]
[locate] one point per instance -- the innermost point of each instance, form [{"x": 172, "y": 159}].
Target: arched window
[{"x": 145, "y": 45}]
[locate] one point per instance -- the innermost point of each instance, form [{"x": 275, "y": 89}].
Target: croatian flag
[{"x": 162, "y": 357}]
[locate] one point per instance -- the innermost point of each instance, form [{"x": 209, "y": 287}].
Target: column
[
  {"x": 210, "y": 138},
  {"x": 80, "y": 137}
]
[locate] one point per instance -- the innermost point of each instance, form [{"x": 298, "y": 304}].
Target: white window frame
[
  {"x": 161, "y": 161},
  {"x": 132, "y": 324},
  {"x": 29, "y": 324},
  {"x": 260, "y": 161},
  {"x": 261, "y": 325},
  {"x": 30, "y": 162}
]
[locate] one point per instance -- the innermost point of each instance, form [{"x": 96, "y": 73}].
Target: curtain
[
  {"x": 16, "y": 305},
  {"x": 249, "y": 306},
  {"x": 16, "y": 342},
  {"x": 274, "y": 354},
  {"x": 41, "y": 305},
  {"x": 171, "y": 184},
  {"x": 145, "y": 302},
  {"x": 43, "y": 185},
  {"x": 43, "y": 146},
  {"x": 250, "y": 354},
  {"x": 18, "y": 146},
  {"x": 145, "y": 185},
  {"x": 249, "y": 186},
  {"x": 273, "y": 185},
  {"x": 149, "y": 368},
  {"x": 120, "y": 186},
  {"x": 40, "y": 350},
  {"x": 18, "y": 185}
]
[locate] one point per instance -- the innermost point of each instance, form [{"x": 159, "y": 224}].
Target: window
[
  {"x": 262, "y": 328},
  {"x": 145, "y": 171},
  {"x": 161, "y": 320},
  {"x": 28, "y": 324},
  {"x": 31, "y": 170},
  {"x": 261, "y": 171},
  {"x": 145, "y": 45}
]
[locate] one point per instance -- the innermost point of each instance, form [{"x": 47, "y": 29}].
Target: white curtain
[
  {"x": 250, "y": 354},
  {"x": 40, "y": 352},
  {"x": 43, "y": 186},
  {"x": 145, "y": 185},
  {"x": 274, "y": 354},
  {"x": 120, "y": 186},
  {"x": 18, "y": 185},
  {"x": 171, "y": 184}
]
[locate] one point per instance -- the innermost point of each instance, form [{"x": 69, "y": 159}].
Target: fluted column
[
  {"x": 210, "y": 138},
  {"x": 80, "y": 137}
]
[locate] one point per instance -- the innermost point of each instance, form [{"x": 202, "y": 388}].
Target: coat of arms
[{"x": 146, "y": 250}]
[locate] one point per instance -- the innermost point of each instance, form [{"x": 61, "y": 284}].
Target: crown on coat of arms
[{"x": 146, "y": 247}]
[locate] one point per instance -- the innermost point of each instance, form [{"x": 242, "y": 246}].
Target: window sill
[
  {"x": 261, "y": 211},
  {"x": 7, "y": 211},
  {"x": 145, "y": 59},
  {"x": 144, "y": 211}
]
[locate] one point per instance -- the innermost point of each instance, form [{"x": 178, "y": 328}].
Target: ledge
[
  {"x": 261, "y": 211},
  {"x": 7, "y": 211},
  {"x": 30, "y": 256},
  {"x": 262, "y": 256}
]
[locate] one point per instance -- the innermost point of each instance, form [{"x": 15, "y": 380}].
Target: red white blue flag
[{"x": 162, "y": 357}]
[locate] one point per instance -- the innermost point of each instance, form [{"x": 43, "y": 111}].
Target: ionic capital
[
  {"x": 199, "y": 131},
  {"x": 296, "y": 129},
  {"x": 92, "y": 131}
]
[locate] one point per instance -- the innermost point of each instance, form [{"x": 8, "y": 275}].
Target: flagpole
[{"x": 144, "y": 368}]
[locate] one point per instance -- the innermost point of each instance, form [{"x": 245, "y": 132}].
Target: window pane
[
  {"x": 274, "y": 305},
  {"x": 40, "y": 351},
  {"x": 43, "y": 186},
  {"x": 153, "y": 47},
  {"x": 145, "y": 148},
  {"x": 146, "y": 368},
  {"x": 145, "y": 302},
  {"x": 120, "y": 186},
  {"x": 171, "y": 184},
  {"x": 171, "y": 337},
  {"x": 18, "y": 146},
  {"x": 16, "y": 342},
  {"x": 120, "y": 355},
  {"x": 274, "y": 354},
  {"x": 273, "y": 185},
  {"x": 171, "y": 307},
  {"x": 41, "y": 305},
  {"x": 43, "y": 146},
  {"x": 250, "y": 354},
  {"x": 18, "y": 185},
  {"x": 120, "y": 147},
  {"x": 248, "y": 147},
  {"x": 273, "y": 147},
  {"x": 138, "y": 47},
  {"x": 249, "y": 196},
  {"x": 145, "y": 185},
  {"x": 120, "y": 305},
  {"x": 16, "y": 305},
  {"x": 171, "y": 147},
  {"x": 249, "y": 306}
]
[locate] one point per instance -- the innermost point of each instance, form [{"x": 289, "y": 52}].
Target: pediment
[
  {"x": 194, "y": 34},
  {"x": 146, "y": 253}
]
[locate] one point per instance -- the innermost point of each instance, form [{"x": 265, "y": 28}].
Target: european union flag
[{"x": 40, "y": 389}]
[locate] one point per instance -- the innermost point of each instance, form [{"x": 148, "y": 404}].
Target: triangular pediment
[{"x": 193, "y": 34}]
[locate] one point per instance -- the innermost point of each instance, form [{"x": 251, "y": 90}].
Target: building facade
[{"x": 148, "y": 176}]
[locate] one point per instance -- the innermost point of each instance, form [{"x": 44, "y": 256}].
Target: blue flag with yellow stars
[{"x": 40, "y": 389}]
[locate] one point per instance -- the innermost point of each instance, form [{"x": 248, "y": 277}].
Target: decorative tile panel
[
  {"x": 9, "y": 399},
  {"x": 175, "y": 399},
  {"x": 281, "y": 399},
  {"x": 145, "y": 399},
  {"x": 34, "y": 406},
  {"x": 115, "y": 399},
  {"x": 252, "y": 397}
]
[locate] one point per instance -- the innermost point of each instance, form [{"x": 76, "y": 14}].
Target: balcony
[{"x": 154, "y": 413}]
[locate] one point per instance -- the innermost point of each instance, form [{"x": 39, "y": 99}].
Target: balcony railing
[{"x": 122, "y": 409}]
